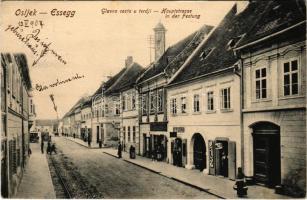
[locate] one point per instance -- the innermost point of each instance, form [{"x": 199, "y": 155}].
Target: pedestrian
[
  {"x": 42, "y": 147},
  {"x": 49, "y": 148},
  {"x": 89, "y": 142},
  {"x": 53, "y": 149},
  {"x": 29, "y": 151},
  {"x": 224, "y": 167},
  {"x": 119, "y": 150},
  {"x": 240, "y": 184}
]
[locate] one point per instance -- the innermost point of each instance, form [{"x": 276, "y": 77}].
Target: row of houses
[
  {"x": 224, "y": 97},
  {"x": 17, "y": 117}
]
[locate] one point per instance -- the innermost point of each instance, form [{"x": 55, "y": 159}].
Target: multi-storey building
[
  {"x": 204, "y": 99},
  {"x": 151, "y": 85},
  {"x": 86, "y": 117},
  {"x": 273, "y": 54},
  {"x": 15, "y": 94},
  {"x": 106, "y": 111},
  {"x": 129, "y": 105}
]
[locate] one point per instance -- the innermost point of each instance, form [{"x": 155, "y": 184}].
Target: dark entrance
[
  {"x": 97, "y": 135},
  {"x": 199, "y": 152},
  {"x": 266, "y": 139},
  {"x": 221, "y": 148},
  {"x": 177, "y": 152}
]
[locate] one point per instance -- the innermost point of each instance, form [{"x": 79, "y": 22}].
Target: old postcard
[{"x": 153, "y": 99}]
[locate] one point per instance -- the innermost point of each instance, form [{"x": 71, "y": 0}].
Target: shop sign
[
  {"x": 211, "y": 155},
  {"x": 158, "y": 126},
  {"x": 172, "y": 134},
  {"x": 178, "y": 129}
]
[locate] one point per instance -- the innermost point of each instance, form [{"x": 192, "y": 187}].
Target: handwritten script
[
  {"x": 58, "y": 82},
  {"x": 35, "y": 43}
]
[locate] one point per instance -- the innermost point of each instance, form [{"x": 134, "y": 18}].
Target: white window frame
[
  {"x": 260, "y": 79},
  {"x": 291, "y": 73},
  {"x": 209, "y": 102},
  {"x": 195, "y": 110},
  {"x": 183, "y": 105},
  {"x": 228, "y": 98},
  {"x": 173, "y": 106}
]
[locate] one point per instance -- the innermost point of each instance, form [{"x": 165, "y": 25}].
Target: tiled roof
[
  {"x": 109, "y": 82},
  {"x": 216, "y": 54},
  {"x": 128, "y": 79},
  {"x": 277, "y": 16},
  {"x": 188, "y": 44}
]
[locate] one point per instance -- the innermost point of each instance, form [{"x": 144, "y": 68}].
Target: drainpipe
[{"x": 240, "y": 75}]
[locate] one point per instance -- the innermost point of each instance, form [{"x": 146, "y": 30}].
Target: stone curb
[{"x": 170, "y": 177}]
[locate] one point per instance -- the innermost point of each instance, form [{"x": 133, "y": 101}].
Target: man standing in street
[
  {"x": 42, "y": 146},
  {"x": 119, "y": 150}
]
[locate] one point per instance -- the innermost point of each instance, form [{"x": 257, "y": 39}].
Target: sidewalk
[
  {"x": 36, "y": 182},
  {"x": 94, "y": 145},
  {"x": 219, "y": 186}
]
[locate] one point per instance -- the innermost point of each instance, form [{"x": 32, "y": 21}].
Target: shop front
[
  {"x": 155, "y": 142},
  {"x": 222, "y": 157}
]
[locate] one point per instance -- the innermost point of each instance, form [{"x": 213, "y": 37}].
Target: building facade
[
  {"x": 15, "y": 95},
  {"x": 274, "y": 88},
  {"x": 152, "y": 91}
]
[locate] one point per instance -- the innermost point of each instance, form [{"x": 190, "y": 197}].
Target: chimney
[
  {"x": 128, "y": 61},
  {"x": 241, "y": 5}
]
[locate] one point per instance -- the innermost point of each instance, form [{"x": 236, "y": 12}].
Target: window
[
  {"x": 128, "y": 133},
  {"x": 160, "y": 101},
  {"x": 124, "y": 102},
  {"x": 183, "y": 105},
  {"x": 196, "y": 104},
  {"x": 144, "y": 104},
  {"x": 225, "y": 98},
  {"x": 106, "y": 108},
  {"x": 133, "y": 134},
  {"x": 291, "y": 78},
  {"x": 210, "y": 99},
  {"x": 117, "y": 109},
  {"x": 261, "y": 83},
  {"x": 124, "y": 133},
  {"x": 152, "y": 102},
  {"x": 129, "y": 102},
  {"x": 133, "y": 102},
  {"x": 173, "y": 106}
]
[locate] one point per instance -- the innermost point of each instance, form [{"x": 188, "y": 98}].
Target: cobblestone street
[{"x": 114, "y": 178}]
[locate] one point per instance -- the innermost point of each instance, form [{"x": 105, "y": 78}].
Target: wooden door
[
  {"x": 232, "y": 160},
  {"x": 261, "y": 158}
]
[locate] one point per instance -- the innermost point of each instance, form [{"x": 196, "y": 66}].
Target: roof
[
  {"x": 109, "y": 82},
  {"x": 128, "y": 79},
  {"x": 277, "y": 16},
  {"x": 159, "y": 26},
  {"x": 189, "y": 44},
  {"x": 216, "y": 54},
  {"x": 45, "y": 122},
  {"x": 76, "y": 105}
]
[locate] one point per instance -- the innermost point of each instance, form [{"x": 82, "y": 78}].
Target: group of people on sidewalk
[{"x": 50, "y": 146}]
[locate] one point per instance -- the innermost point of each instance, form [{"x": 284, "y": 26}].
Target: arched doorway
[
  {"x": 266, "y": 146},
  {"x": 199, "y": 152}
]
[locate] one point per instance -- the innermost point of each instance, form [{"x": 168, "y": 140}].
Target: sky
[{"x": 93, "y": 45}]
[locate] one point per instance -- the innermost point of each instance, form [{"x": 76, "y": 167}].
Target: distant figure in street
[
  {"x": 53, "y": 149},
  {"x": 29, "y": 151},
  {"x": 119, "y": 150},
  {"x": 49, "y": 148},
  {"x": 42, "y": 147},
  {"x": 89, "y": 142}
]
